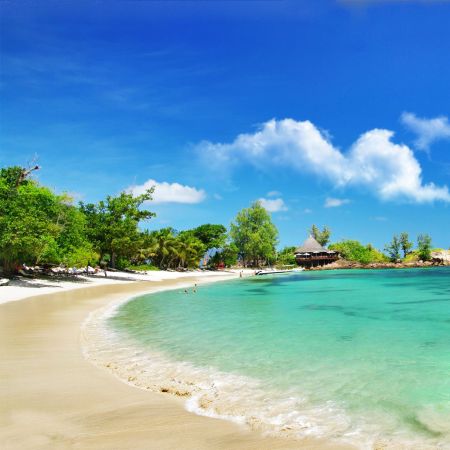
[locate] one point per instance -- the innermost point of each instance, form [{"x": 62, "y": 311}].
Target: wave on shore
[{"x": 244, "y": 400}]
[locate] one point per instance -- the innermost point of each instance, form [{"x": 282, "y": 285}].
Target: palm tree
[
  {"x": 165, "y": 247},
  {"x": 190, "y": 250}
]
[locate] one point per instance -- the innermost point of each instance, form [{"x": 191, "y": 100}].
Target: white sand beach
[{"x": 52, "y": 398}]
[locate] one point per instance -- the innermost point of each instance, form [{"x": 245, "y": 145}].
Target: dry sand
[{"x": 52, "y": 398}]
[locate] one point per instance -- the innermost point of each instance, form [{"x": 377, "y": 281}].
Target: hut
[{"x": 311, "y": 254}]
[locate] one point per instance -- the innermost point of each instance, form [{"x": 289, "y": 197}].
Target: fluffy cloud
[
  {"x": 427, "y": 130},
  {"x": 331, "y": 202},
  {"x": 170, "y": 192},
  {"x": 273, "y": 205},
  {"x": 373, "y": 162}
]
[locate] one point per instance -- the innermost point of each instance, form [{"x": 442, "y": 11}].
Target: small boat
[{"x": 276, "y": 272}]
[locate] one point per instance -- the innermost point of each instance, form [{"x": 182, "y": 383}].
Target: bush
[{"x": 355, "y": 251}]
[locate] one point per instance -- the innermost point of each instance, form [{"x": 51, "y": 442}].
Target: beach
[{"x": 52, "y": 397}]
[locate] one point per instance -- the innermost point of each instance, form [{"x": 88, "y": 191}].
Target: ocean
[{"x": 357, "y": 356}]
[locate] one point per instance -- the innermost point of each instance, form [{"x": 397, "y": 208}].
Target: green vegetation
[
  {"x": 405, "y": 244},
  {"x": 112, "y": 225},
  {"x": 399, "y": 243},
  {"x": 286, "y": 257},
  {"x": 393, "y": 249},
  {"x": 39, "y": 227},
  {"x": 227, "y": 255},
  {"x": 255, "y": 236},
  {"x": 322, "y": 237},
  {"x": 355, "y": 251},
  {"x": 36, "y": 225},
  {"x": 212, "y": 236},
  {"x": 424, "y": 247}
]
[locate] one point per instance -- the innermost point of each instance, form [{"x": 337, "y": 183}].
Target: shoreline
[
  {"x": 64, "y": 401},
  {"x": 353, "y": 265}
]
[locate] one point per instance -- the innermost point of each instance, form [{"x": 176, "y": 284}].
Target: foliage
[
  {"x": 405, "y": 244},
  {"x": 424, "y": 247},
  {"x": 211, "y": 235},
  {"x": 254, "y": 235},
  {"x": 28, "y": 220},
  {"x": 189, "y": 249},
  {"x": 286, "y": 256},
  {"x": 166, "y": 248},
  {"x": 228, "y": 255},
  {"x": 322, "y": 237},
  {"x": 355, "y": 251},
  {"x": 393, "y": 248},
  {"x": 112, "y": 224}
]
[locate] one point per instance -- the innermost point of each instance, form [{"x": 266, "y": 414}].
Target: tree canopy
[
  {"x": 112, "y": 224},
  {"x": 36, "y": 225},
  {"x": 424, "y": 247},
  {"x": 254, "y": 235},
  {"x": 321, "y": 236},
  {"x": 352, "y": 250}
]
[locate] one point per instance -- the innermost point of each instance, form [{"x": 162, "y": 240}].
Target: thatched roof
[{"x": 312, "y": 246}]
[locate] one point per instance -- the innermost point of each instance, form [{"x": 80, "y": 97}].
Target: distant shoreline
[{"x": 343, "y": 264}]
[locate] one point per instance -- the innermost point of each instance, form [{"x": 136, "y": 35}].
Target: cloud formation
[
  {"x": 273, "y": 205},
  {"x": 373, "y": 162},
  {"x": 170, "y": 192},
  {"x": 331, "y": 202},
  {"x": 427, "y": 130}
]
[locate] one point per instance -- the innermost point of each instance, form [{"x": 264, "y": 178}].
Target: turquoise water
[{"x": 363, "y": 355}]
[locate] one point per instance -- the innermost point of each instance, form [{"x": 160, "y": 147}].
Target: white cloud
[
  {"x": 373, "y": 162},
  {"x": 427, "y": 130},
  {"x": 273, "y": 205},
  {"x": 307, "y": 211},
  {"x": 273, "y": 194},
  {"x": 331, "y": 202},
  {"x": 170, "y": 192}
]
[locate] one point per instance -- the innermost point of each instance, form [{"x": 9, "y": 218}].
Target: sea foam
[{"x": 241, "y": 399}]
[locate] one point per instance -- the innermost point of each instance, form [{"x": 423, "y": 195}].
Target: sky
[{"x": 328, "y": 112}]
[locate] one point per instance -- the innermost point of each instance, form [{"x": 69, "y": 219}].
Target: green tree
[
  {"x": 211, "y": 235},
  {"x": 393, "y": 248},
  {"x": 112, "y": 224},
  {"x": 254, "y": 235},
  {"x": 162, "y": 247},
  {"x": 28, "y": 219},
  {"x": 424, "y": 247},
  {"x": 286, "y": 256},
  {"x": 189, "y": 249},
  {"x": 355, "y": 251},
  {"x": 322, "y": 237},
  {"x": 228, "y": 255},
  {"x": 405, "y": 244}
]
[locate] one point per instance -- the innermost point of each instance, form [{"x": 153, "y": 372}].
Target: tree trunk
[
  {"x": 10, "y": 267},
  {"x": 113, "y": 260}
]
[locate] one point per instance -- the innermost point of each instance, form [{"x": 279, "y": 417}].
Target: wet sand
[{"x": 52, "y": 398}]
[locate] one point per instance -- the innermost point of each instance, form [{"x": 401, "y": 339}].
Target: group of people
[{"x": 194, "y": 290}]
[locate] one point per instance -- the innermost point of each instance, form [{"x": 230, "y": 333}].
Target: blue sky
[{"x": 333, "y": 112}]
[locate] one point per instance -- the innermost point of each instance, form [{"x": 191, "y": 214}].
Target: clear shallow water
[{"x": 363, "y": 355}]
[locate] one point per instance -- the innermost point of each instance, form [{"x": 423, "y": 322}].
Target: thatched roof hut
[{"x": 311, "y": 253}]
